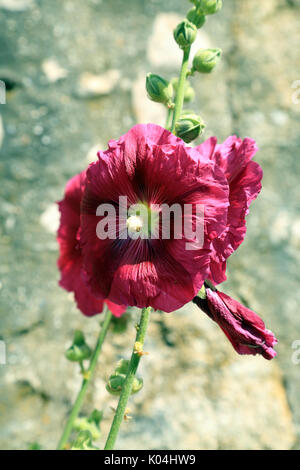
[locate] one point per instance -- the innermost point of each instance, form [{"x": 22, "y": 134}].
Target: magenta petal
[
  {"x": 151, "y": 165},
  {"x": 70, "y": 259},
  {"x": 244, "y": 176}
]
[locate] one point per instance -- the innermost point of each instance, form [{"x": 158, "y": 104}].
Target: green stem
[
  {"x": 169, "y": 118},
  {"x": 180, "y": 88},
  {"x": 87, "y": 378},
  {"x": 126, "y": 389}
]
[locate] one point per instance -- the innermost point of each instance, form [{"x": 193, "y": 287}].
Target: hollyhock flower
[
  {"x": 70, "y": 258},
  {"x": 149, "y": 165},
  {"x": 244, "y": 176},
  {"x": 244, "y": 328}
]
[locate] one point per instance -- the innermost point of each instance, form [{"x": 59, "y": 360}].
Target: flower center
[
  {"x": 142, "y": 221},
  {"x": 134, "y": 224}
]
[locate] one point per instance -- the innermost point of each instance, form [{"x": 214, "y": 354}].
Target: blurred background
[{"x": 74, "y": 73}]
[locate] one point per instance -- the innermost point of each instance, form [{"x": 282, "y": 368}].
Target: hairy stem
[
  {"x": 169, "y": 118},
  {"x": 126, "y": 389},
  {"x": 180, "y": 88},
  {"x": 88, "y": 374}
]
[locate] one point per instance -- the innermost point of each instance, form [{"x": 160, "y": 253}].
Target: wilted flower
[
  {"x": 244, "y": 176},
  {"x": 70, "y": 257},
  {"x": 244, "y": 328}
]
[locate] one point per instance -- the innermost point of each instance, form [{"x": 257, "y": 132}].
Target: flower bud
[
  {"x": 185, "y": 33},
  {"x": 189, "y": 93},
  {"x": 84, "y": 442},
  {"x": 116, "y": 380},
  {"x": 119, "y": 324},
  {"x": 79, "y": 350},
  {"x": 209, "y": 7},
  {"x": 205, "y": 60},
  {"x": 122, "y": 367},
  {"x": 189, "y": 127},
  {"x": 196, "y": 17},
  {"x": 90, "y": 424},
  {"x": 115, "y": 384},
  {"x": 244, "y": 328},
  {"x": 159, "y": 89}
]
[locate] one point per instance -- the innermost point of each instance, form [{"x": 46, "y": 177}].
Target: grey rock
[{"x": 198, "y": 393}]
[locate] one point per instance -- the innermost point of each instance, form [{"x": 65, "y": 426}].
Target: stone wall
[{"x": 75, "y": 73}]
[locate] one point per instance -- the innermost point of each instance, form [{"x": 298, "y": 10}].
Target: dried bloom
[{"x": 244, "y": 328}]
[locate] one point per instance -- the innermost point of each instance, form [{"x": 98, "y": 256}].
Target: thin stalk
[
  {"x": 126, "y": 389},
  {"x": 88, "y": 374},
  {"x": 180, "y": 88},
  {"x": 169, "y": 118}
]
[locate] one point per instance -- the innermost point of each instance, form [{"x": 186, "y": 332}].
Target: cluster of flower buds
[
  {"x": 189, "y": 126},
  {"x": 90, "y": 423},
  {"x": 79, "y": 350},
  {"x": 159, "y": 89},
  {"x": 116, "y": 380}
]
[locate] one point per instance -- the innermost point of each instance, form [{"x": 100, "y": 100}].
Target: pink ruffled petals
[
  {"x": 70, "y": 257},
  {"x": 151, "y": 165},
  {"x": 234, "y": 159}
]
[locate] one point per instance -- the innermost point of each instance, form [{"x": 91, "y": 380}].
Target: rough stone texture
[{"x": 198, "y": 393}]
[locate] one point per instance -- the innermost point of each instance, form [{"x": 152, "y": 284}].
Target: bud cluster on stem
[
  {"x": 186, "y": 125},
  {"x": 129, "y": 380}
]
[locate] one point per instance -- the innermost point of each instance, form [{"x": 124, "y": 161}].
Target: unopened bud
[
  {"x": 79, "y": 350},
  {"x": 185, "y": 33},
  {"x": 115, "y": 384},
  {"x": 189, "y": 127},
  {"x": 84, "y": 442},
  {"x": 196, "y": 17},
  {"x": 159, "y": 89},
  {"x": 209, "y": 7},
  {"x": 91, "y": 424},
  {"x": 206, "y": 59},
  {"x": 117, "y": 379}
]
